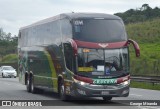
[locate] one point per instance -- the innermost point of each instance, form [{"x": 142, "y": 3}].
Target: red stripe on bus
[
  {"x": 123, "y": 79},
  {"x": 98, "y": 45},
  {"x": 84, "y": 79}
]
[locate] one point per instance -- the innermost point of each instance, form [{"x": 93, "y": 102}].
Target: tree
[
  {"x": 2, "y": 34},
  {"x": 139, "y": 15},
  {"x": 8, "y": 37},
  {"x": 8, "y": 43},
  {"x": 145, "y": 7}
]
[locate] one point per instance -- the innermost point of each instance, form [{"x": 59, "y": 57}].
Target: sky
[{"x": 18, "y": 13}]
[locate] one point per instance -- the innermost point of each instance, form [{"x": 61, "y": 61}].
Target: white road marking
[
  {"x": 135, "y": 95},
  {"x": 20, "y": 85},
  {"x": 148, "y": 107},
  {"x": 7, "y": 84}
]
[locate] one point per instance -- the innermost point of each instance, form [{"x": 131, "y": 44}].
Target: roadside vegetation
[
  {"x": 142, "y": 14},
  {"x": 10, "y": 58},
  {"x": 143, "y": 26},
  {"x": 147, "y": 34},
  {"x": 8, "y": 47},
  {"x": 145, "y": 85}
]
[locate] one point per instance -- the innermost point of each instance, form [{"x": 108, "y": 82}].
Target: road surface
[{"x": 11, "y": 89}]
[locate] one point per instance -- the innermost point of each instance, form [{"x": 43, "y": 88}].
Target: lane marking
[
  {"x": 7, "y": 84},
  {"x": 135, "y": 95},
  {"x": 11, "y": 84},
  {"x": 147, "y": 107}
]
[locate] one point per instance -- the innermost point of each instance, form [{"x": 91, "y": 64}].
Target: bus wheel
[
  {"x": 28, "y": 85},
  {"x": 107, "y": 98},
  {"x": 62, "y": 91},
  {"x": 33, "y": 88}
]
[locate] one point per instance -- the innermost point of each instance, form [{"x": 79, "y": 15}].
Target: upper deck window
[{"x": 99, "y": 30}]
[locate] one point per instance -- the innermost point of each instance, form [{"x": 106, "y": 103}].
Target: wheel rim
[
  {"x": 62, "y": 91},
  {"x": 32, "y": 86},
  {"x": 28, "y": 84}
]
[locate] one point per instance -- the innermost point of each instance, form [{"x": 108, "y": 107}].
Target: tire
[
  {"x": 28, "y": 85},
  {"x": 2, "y": 75},
  {"x": 61, "y": 91},
  {"x": 107, "y": 98},
  {"x": 34, "y": 90}
]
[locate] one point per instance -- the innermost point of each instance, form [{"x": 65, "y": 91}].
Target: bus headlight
[
  {"x": 125, "y": 83},
  {"x": 81, "y": 82}
]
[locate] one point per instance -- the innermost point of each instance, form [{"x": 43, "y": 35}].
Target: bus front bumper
[{"x": 117, "y": 90}]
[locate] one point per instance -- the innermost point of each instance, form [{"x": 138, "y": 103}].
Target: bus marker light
[{"x": 86, "y": 50}]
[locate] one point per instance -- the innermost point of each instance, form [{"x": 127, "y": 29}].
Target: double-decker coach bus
[{"x": 76, "y": 54}]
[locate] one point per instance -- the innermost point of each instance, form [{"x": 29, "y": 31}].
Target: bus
[{"x": 76, "y": 54}]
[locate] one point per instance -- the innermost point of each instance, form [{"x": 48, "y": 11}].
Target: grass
[
  {"x": 145, "y": 85},
  {"x": 147, "y": 34},
  {"x": 149, "y": 51},
  {"x": 149, "y": 61},
  {"x": 10, "y": 58}
]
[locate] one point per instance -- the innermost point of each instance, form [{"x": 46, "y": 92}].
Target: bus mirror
[
  {"x": 136, "y": 47},
  {"x": 74, "y": 46}
]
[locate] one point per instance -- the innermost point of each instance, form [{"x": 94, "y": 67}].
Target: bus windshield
[
  {"x": 99, "y": 30},
  {"x": 104, "y": 62}
]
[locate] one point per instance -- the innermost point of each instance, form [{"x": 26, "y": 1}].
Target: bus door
[{"x": 69, "y": 58}]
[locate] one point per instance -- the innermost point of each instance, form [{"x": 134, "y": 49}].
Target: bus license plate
[{"x": 105, "y": 93}]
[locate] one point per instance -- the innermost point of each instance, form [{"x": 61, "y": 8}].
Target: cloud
[{"x": 18, "y": 13}]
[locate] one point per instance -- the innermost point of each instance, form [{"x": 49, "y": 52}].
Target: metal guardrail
[{"x": 150, "y": 79}]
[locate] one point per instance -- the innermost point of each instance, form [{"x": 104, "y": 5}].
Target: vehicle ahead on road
[
  {"x": 77, "y": 54},
  {"x": 7, "y": 71}
]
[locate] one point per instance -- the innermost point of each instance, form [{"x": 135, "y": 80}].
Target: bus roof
[
  {"x": 71, "y": 16},
  {"x": 90, "y": 15}
]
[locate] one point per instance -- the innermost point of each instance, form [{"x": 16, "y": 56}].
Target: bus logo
[
  {"x": 78, "y": 22},
  {"x": 103, "y": 45}
]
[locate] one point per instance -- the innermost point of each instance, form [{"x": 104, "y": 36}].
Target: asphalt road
[{"x": 11, "y": 89}]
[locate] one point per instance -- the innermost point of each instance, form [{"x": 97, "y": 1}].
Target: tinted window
[
  {"x": 111, "y": 62},
  {"x": 8, "y": 68},
  {"x": 47, "y": 33},
  {"x": 99, "y": 30}
]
